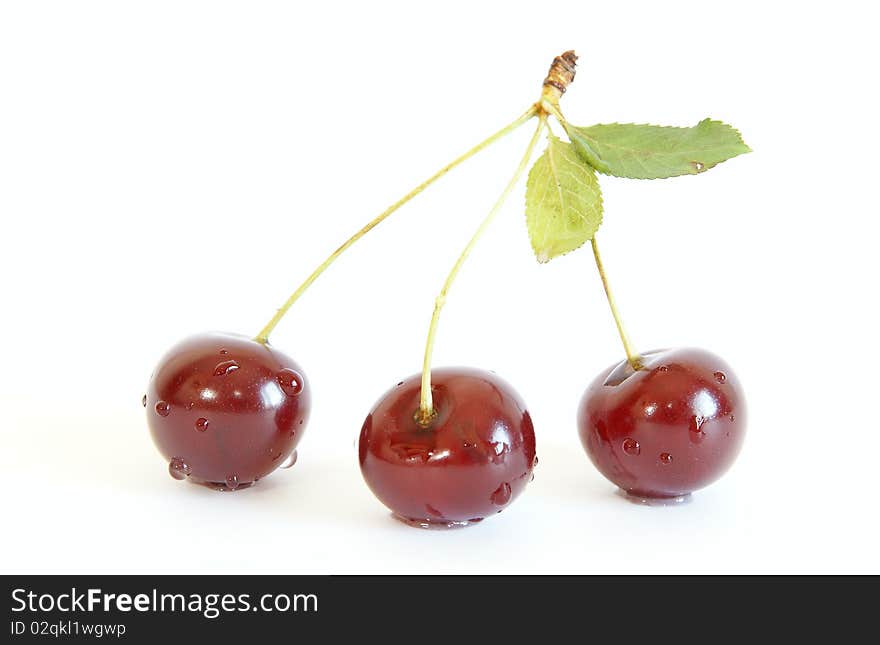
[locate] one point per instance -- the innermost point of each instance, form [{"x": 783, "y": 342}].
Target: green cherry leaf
[
  {"x": 584, "y": 147},
  {"x": 639, "y": 151},
  {"x": 563, "y": 201}
]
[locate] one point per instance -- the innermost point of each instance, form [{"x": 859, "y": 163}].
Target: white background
[{"x": 173, "y": 167}]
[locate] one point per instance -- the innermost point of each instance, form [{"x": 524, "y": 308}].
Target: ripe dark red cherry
[
  {"x": 225, "y": 410},
  {"x": 668, "y": 429},
  {"x": 470, "y": 462}
]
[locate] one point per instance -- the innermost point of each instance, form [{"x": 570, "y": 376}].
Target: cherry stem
[
  {"x": 550, "y": 106},
  {"x": 426, "y": 403},
  {"x": 263, "y": 336},
  {"x": 633, "y": 357}
]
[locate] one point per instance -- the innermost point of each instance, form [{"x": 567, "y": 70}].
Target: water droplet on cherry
[
  {"x": 535, "y": 462},
  {"x": 291, "y": 459},
  {"x": 163, "y": 409},
  {"x": 223, "y": 352},
  {"x": 201, "y": 424},
  {"x": 683, "y": 439},
  {"x": 226, "y": 367},
  {"x": 232, "y": 482},
  {"x": 179, "y": 469},
  {"x": 632, "y": 447},
  {"x": 501, "y": 495},
  {"x": 291, "y": 381},
  {"x": 144, "y": 401},
  {"x": 480, "y": 449}
]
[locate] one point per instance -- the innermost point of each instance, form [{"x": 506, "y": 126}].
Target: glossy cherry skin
[
  {"x": 668, "y": 429},
  {"x": 471, "y": 461},
  {"x": 225, "y": 410}
]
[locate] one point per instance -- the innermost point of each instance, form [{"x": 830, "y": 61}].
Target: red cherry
[
  {"x": 225, "y": 410},
  {"x": 471, "y": 461},
  {"x": 668, "y": 429}
]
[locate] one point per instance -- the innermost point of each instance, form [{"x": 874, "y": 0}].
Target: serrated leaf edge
[
  {"x": 542, "y": 258},
  {"x": 704, "y": 168}
]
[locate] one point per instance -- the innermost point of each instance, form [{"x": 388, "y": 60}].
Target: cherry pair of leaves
[{"x": 563, "y": 197}]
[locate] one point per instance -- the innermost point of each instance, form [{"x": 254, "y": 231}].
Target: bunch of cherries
[{"x": 448, "y": 447}]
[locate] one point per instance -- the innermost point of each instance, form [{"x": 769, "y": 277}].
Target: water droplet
[
  {"x": 291, "y": 381},
  {"x": 291, "y": 459},
  {"x": 532, "y": 478},
  {"x": 698, "y": 165},
  {"x": 720, "y": 377},
  {"x": 501, "y": 495},
  {"x": 399, "y": 384},
  {"x": 144, "y": 400},
  {"x": 698, "y": 423},
  {"x": 226, "y": 367},
  {"x": 665, "y": 458},
  {"x": 232, "y": 482},
  {"x": 223, "y": 352},
  {"x": 732, "y": 418},
  {"x": 163, "y": 409},
  {"x": 663, "y": 368},
  {"x": 632, "y": 447},
  {"x": 201, "y": 424},
  {"x": 190, "y": 405},
  {"x": 535, "y": 462},
  {"x": 179, "y": 469}
]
